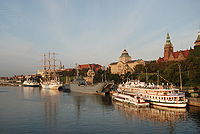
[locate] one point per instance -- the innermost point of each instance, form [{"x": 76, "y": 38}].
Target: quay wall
[{"x": 194, "y": 101}]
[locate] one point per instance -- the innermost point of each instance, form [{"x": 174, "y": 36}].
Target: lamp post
[
  {"x": 146, "y": 75},
  {"x": 158, "y": 77},
  {"x": 181, "y": 86}
]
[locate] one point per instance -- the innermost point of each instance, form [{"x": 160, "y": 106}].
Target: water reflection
[
  {"x": 47, "y": 93},
  {"x": 155, "y": 114},
  {"x": 28, "y": 92},
  {"x": 50, "y": 99},
  {"x": 194, "y": 113}
]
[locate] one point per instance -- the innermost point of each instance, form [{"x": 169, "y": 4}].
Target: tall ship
[
  {"x": 155, "y": 94},
  {"x": 50, "y": 78},
  {"x": 86, "y": 85}
]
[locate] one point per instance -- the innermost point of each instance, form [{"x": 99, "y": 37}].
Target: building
[
  {"x": 125, "y": 64},
  {"x": 170, "y": 55},
  {"x": 94, "y": 67},
  {"x": 197, "y": 42}
]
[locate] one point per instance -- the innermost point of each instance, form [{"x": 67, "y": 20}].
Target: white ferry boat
[
  {"x": 155, "y": 94},
  {"x": 30, "y": 83},
  {"x": 130, "y": 99},
  {"x": 51, "y": 84}
]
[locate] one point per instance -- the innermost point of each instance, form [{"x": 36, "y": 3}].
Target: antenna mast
[
  {"x": 49, "y": 60},
  {"x": 54, "y": 61},
  {"x": 44, "y": 61},
  {"x": 181, "y": 86}
]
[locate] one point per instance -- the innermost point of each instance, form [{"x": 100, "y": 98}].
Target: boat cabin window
[{"x": 181, "y": 98}]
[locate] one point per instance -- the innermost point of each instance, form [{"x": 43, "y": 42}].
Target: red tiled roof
[
  {"x": 160, "y": 60},
  {"x": 175, "y": 55},
  {"x": 96, "y": 67},
  {"x": 185, "y": 53},
  {"x": 68, "y": 69}
]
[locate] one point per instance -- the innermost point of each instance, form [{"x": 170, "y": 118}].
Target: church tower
[
  {"x": 124, "y": 57},
  {"x": 168, "y": 48},
  {"x": 197, "y": 42},
  {"x": 196, "y": 51}
]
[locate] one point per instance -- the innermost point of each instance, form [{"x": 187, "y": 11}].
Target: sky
[{"x": 91, "y": 31}]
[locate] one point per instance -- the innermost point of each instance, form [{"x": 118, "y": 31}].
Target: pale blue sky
[{"x": 91, "y": 31}]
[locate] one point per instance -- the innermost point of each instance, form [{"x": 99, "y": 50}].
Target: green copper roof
[
  {"x": 168, "y": 41},
  {"x": 124, "y": 54},
  {"x": 198, "y": 38},
  {"x": 197, "y": 42}
]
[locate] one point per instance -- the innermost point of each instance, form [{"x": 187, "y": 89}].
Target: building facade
[
  {"x": 125, "y": 64},
  {"x": 170, "y": 55}
]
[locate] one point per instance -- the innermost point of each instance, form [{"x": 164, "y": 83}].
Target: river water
[{"x": 34, "y": 110}]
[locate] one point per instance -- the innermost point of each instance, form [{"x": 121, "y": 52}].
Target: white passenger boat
[
  {"x": 130, "y": 99},
  {"x": 30, "y": 83},
  {"x": 51, "y": 84},
  {"x": 155, "y": 94}
]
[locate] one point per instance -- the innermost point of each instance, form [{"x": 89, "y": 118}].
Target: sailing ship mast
[
  {"x": 51, "y": 78},
  {"x": 44, "y": 62},
  {"x": 50, "y": 61}
]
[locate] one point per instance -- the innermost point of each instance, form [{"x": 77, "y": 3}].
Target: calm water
[{"x": 32, "y": 110}]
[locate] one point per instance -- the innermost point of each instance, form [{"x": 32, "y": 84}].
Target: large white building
[{"x": 125, "y": 64}]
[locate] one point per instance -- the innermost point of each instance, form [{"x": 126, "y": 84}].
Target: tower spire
[
  {"x": 168, "y": 39},
  {"x": 168, "y": 48},
  {"x": 197, "y": 42}
]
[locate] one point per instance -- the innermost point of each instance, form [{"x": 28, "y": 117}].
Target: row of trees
[{"x": 189, "y": 70}]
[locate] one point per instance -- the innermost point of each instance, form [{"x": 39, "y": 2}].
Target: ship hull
[
  {"x": 30, "y": 85},
  {"x": 174, "y": 105},
  {"x": 51, "y": 86},
  {"x": 129, "y": 100},
  {"x": 88, "y": 89}
]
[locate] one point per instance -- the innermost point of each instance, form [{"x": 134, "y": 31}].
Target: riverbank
[{"x": 9, "y": 84}]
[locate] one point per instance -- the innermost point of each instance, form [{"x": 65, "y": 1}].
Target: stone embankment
[
  {"x": 9, "y": 83},
  {"x": 194, "y": 101}
]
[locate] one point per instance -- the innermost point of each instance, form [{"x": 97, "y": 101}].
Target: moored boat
[
  {"x": 130, "y": 99},
  {"x": 87, "y": 88},
  {"x": 86, "y": 85},
  {"x": 50, "y": 77},
  {"x": 51, "y": 85},
  {"x": 155, "y": 94},
  {"x": 30, "y": 83}
]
